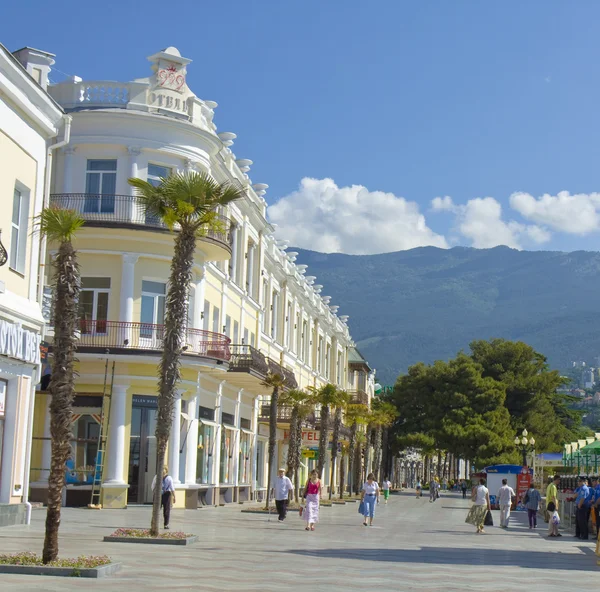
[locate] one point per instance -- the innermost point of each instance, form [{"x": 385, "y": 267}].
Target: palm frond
[{"x": 58, "y": 224}]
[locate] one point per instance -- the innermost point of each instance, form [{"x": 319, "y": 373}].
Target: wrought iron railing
[
  {"x": 288, "y": 375},
  {"x": 359, "y": 397},
  {"x": 245, "y": 358},
  {"x": 127, "y": 210},
  {"x": 119, "y": 335}
]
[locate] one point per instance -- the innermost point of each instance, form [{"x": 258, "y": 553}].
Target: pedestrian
[
  {"x": 312, "y": 495},
  {"x": 463, "y": 488},
  {"x": 505, "y": 496},
  {"x": 167, "y": 497},
  {"x": 444, "y": 484},
  {"x": 419, "y": 488},
  {"x": 554, "y": 520},
  {"x": 596, "y": 508},
  {"x": 479, "y": 510},
  {"x": 532, "y": 503},
  {"x": 551, "y": 498},
  {"x": 385, "y": 487},
  {"x": 433, "y": 490},
  {"x": 369, "y": 497},
  {"x": 581, "y": 512},
  {"x": 281, "y": 492}
]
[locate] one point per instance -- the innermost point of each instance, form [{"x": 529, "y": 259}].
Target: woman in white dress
[{"x": 312, "y": 495}]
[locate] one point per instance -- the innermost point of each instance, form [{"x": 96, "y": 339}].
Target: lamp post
[{"x": 525, "y": 444}]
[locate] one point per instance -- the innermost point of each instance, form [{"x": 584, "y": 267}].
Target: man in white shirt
[
  {"x": 505, "y": 497},
  {"x": 167, "y": 497},
  {"x": 282, "y": 489}
]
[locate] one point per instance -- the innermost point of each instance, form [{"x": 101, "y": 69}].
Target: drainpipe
[{"x": 37, "y": 373}]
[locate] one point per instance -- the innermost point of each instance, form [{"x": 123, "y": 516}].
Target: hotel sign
[
  {"x": 309, "y": 437},
  {"x": 19, "y": 343}
]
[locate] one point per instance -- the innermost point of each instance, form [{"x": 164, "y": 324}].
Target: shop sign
[
  {"x": 145, "y": 401},
  {"x": 19, "y": 343},
  {"x": 311, "y": 453}
]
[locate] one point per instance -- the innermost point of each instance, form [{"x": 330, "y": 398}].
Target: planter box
[
  {"x": 67, "y": 572},
  {"x": 151, "y": 540}
]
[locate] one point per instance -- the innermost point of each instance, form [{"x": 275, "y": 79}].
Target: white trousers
[{"x": 504, "y": 514}]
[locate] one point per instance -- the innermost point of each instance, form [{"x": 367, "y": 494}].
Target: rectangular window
[
  {"x": 206, "y": 446},
  {"x": 215, "y": 320},
  {"x": 18, "y": 231},
  {"x": 228, "y": 326},
  {"x": 153, "y": 309},
  {"x": 252, "y": 340},
  {"x": 246, "y": 337},
  {"x": 236, "y": 332},
  {"x": 93, "y": 304},
  {"x": 245, "y": 455},
  {"x": 100, "y": 186},
  {"x": 328, "y": 361},
  {"x": 225, "y": 472},
  {"x": 206, "y": 318},
  {"x": 157, "y": 172},
  {"x": 274, "y": 313}
]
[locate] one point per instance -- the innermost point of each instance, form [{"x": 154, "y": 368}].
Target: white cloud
[
  {"x": 574, "y": 214},
  {"x": 480, "y": 221},
  {"x": 327, "y": 218}
]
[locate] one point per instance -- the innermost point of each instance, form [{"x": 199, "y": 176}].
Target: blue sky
[{"x": 417, "y": 100}]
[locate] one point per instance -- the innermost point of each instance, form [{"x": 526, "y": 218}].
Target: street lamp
[{"x": 525, "y": 444}]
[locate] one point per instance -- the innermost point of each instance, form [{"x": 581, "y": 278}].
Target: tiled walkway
[{"x": 413, "y": 545}]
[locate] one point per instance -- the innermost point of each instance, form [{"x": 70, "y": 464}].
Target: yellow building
[
  {"x": 30, "y": 122},
  {"x": 251, "y": 307}
]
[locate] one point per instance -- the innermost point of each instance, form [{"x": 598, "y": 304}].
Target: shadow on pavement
[{"x": 464, "y": 556}]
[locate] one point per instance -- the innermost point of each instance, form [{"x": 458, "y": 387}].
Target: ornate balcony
[
  {"x": 288, "y": 375},
  {"x": 124, "y": 338},
  {"x": 126, "y": 211},
  {"x": 284, "y": 412},
  {"x": 245, "y": 358},
  {"x": 359, "y": 397}
]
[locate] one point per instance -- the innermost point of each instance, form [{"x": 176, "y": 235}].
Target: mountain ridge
[{"x": 428, "y": 303}]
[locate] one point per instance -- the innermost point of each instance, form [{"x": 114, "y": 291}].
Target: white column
[
  {"x": 46, "y": 442},
  {"x": 199, "y": 323},
  {"x": 115, "y": 462},
  {"x": 68, "y": 169},
  {"x": 130, "y": 210},
  {"x": 191, "y": 453},
  {"x": 175, "y": 439},
  {"x": 238, "y": 435},
  {"x": 217, "y": 453},
  {"x": 254, "y": 442},
  {"x": 127, "y": 293},
  {"x": 188, "y": 165}
]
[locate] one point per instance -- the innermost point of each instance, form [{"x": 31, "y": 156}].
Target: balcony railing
[
  {"x": 284, "y": 412},
  {"x": 245, "y": 358},
  {"x": 288, "y": 375},
  {"x": 122, "y": 337},
  {"x": 126, "y": 211},
  {"x": 359, "y": 397}
]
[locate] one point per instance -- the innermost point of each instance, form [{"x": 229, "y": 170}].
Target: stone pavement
[{"x": 413, "y": 545}]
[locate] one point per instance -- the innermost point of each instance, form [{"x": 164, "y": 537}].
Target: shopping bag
[
  {"x": 489, "y": 521},
  {"x": 361, "y": 508}
]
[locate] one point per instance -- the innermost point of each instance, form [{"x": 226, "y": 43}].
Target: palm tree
[
  {"x": 356, "y": 414},
  {"x": 61, "y": 226},
  {"x": 186, "y": 201},
  {"x": 383, "y": 415},
  {"x": 301, "y": 405},
  {"x": 275, "y": 382},
  {"x": 342, "y": 399},
  {"x": 325, "y": 396},
  {"x": 361, "y": 444}
]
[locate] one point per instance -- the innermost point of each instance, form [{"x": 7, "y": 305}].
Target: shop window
[
  {"x": 206, "y": 435},
  {"x": 226, "y": 464},
  {"x": 81, "y": 464},
  {"x": 244, "y": 458},
  {"x": 3, "y": 385}
]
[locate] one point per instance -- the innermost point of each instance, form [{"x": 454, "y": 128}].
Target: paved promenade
[{"x": 413, "y": 545}]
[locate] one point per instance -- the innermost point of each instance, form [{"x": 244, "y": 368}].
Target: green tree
[
  {"x": 531, "y": 391},
  {"x": 383, "y": 415},
  {"x": 275, "y": 382},
  {"x": 60, "y": 226},
  {"x": 186, "y": 202}
]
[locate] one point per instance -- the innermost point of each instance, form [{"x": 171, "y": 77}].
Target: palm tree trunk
[
  {"x": 67, "y": 287},
  {"x": 377, "y": 453},
  {"x": 351, "y": 452},
  {"x": 293, "y": 442},
  {"x": 272, "y": 439},
  {"x": 323, "y": 439},
  {"x": 439, "y": 464},
  {"x": 176, "y": 310},
  {"x": 342, "y": 474},
  {"x": 337, "y": 424},
  {"x": 358, "y": 468}
]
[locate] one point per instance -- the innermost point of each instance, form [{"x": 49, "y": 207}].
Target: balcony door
[
  {"x": 153, "y": 314},
  {"x": 100, "y": 187},
  {"x": 93, "y": 304}
]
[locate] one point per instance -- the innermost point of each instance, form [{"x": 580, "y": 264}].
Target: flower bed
[
  {"x": 142, "y": 535},
  {"x": 85, "y": 566}
]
